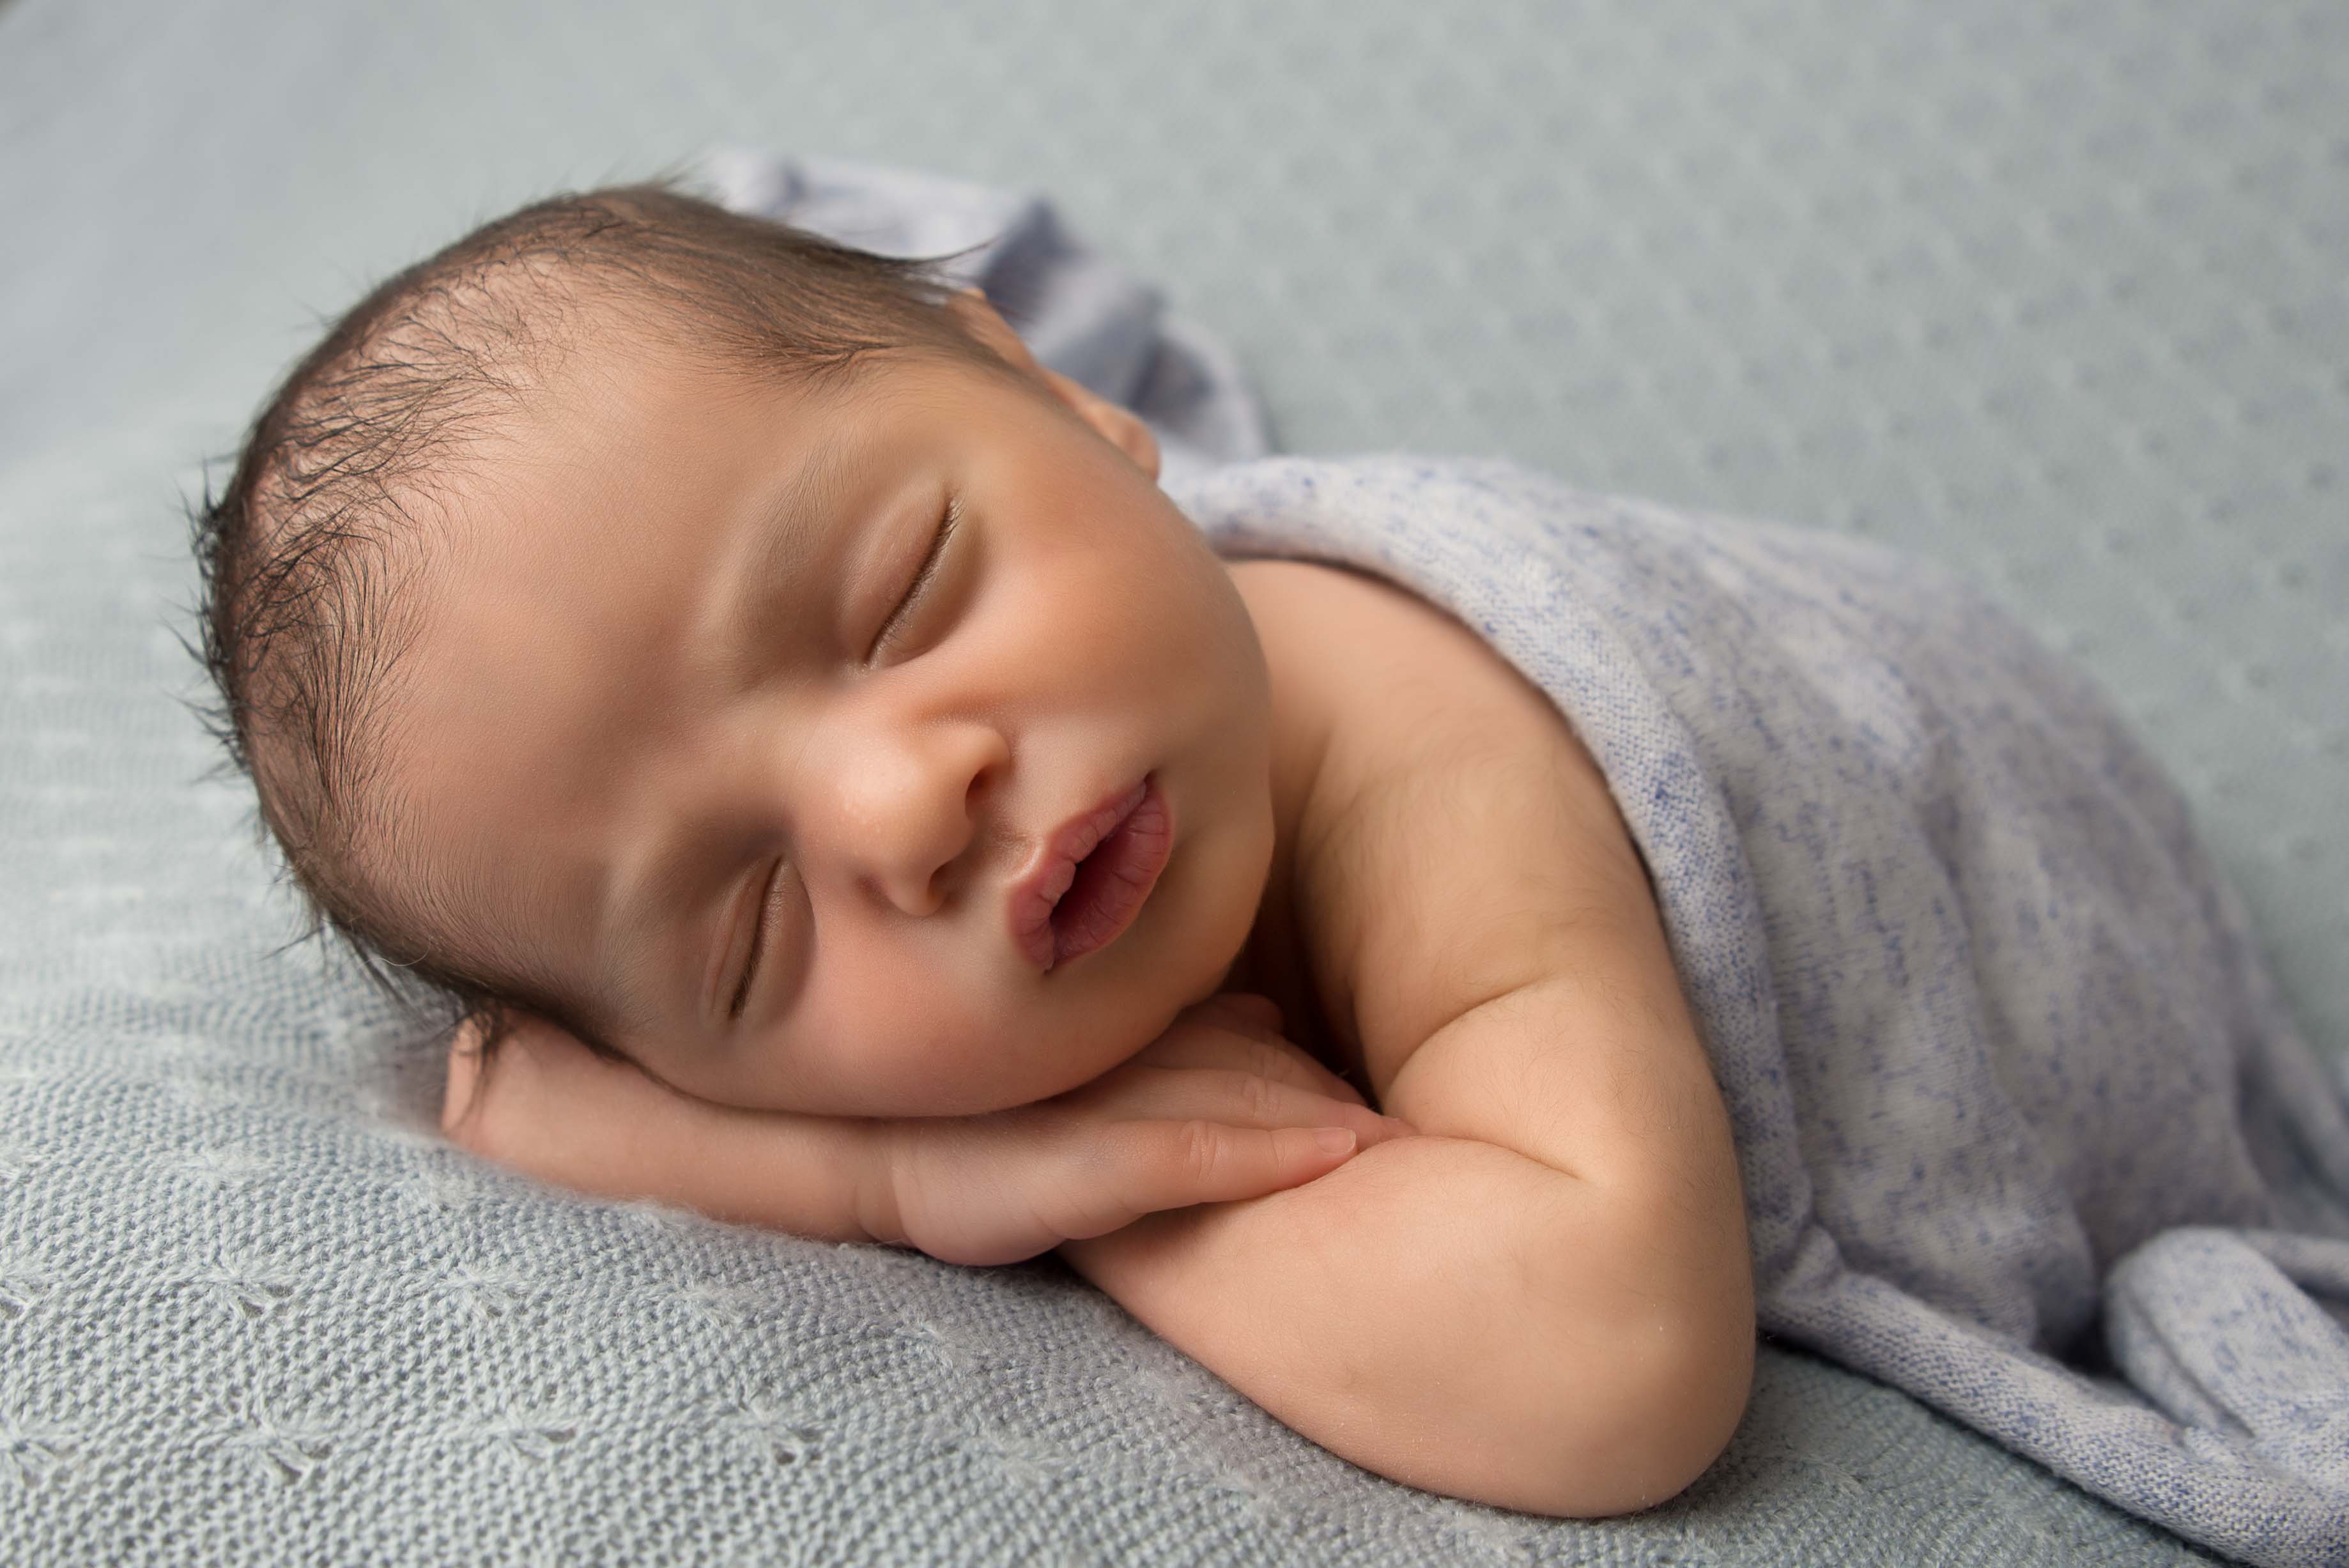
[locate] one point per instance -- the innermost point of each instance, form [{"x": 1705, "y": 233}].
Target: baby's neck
[
  {"x": 1276, "y": 962},
  {"x": 1278, "y": 959}
]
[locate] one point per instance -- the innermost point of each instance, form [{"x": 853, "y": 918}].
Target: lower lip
[{"x": 1114, "y": 880}]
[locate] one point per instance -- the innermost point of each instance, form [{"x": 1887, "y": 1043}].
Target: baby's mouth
[
  {"x": 1088, "y": 903},
  {"x": 1113, "y": 881}
]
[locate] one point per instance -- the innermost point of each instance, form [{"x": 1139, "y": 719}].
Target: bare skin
[{"x": 1381, "y": 827}]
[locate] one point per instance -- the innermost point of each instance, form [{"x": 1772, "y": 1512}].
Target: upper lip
[{"x": 1036, "y": 892}]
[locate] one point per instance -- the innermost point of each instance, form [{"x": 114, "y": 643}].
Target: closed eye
[
  {"x": 923, "y": 580},
  {"x": 758, "y": 942}
]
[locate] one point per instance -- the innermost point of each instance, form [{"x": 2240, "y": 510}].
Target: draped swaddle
[{"x": 2024, "y": 1126}]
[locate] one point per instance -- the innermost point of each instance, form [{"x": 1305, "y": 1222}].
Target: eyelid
[
  {"x": 758, "y": 941},
  {"x": 924, "y": 579}
]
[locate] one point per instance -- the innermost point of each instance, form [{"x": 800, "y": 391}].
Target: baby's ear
[
  {"x": 976, "y": 317},
  {"x": 1122, "y": 427}
]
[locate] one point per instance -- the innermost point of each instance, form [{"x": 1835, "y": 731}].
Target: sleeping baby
[{"x": 844, "y": 793}]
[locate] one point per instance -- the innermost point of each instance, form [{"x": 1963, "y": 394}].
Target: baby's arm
[
  {"x": 1546, "y": 1302},
  {"x": 1203, "y": 1114}
]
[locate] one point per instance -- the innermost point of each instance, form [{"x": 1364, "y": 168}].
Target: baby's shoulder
[{"x": 1459, "y": 834}]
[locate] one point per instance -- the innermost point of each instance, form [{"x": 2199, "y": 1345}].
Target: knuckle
[
  {"x": 1274, "y": 1061},
  {"x": 1200, "y": 1147},
  {"x": 1259, "y": 1097}
]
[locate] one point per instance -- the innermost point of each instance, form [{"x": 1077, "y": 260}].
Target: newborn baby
[{"x": 846, "y": 795}]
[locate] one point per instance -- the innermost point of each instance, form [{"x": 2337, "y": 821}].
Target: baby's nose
[
  {"x": 904, "y": 852},
  {"x": 914, "y": 820}
]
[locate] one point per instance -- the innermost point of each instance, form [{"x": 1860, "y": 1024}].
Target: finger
[
  {"x": 1162, "y": 1165},
  {"x": 1261, "y": 1011},
  {"x": 1235, "y": 1012},
  {"x": 1237, "y": 1098}
]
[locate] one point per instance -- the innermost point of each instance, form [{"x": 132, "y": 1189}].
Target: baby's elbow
[
  {"x": 1679, "y": 1368},
  {"x": 1693, "y": 1406},
  {"x": 1661, "y": 1412}
]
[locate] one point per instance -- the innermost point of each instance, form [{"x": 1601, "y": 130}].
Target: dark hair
[{"x": 301, "y": 556}]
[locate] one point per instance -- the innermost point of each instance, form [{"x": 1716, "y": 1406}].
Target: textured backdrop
[{"x": 2058, "y": 293}]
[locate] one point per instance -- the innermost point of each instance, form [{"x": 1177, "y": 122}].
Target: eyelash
[
  {"x": 758, "y": 944},
  {"x": 923, "y": 579}
]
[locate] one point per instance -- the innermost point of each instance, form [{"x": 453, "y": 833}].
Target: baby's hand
[{"x": 1219, "y": 1108}]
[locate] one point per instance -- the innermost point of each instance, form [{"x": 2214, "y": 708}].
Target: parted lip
[{"x": 1038, "y": 890}]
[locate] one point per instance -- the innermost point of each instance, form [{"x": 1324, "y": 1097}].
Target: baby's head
[{"x": 559, "y": 610}]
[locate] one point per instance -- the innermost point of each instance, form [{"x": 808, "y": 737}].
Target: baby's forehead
[
  {"x": 631, "y": 371},
  {"x": 630, "y": 429},
  {"x": 620, "y": 398},
  {"x": 626, "y": 480}
]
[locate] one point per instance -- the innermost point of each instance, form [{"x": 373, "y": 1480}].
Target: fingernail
[
  {"x": 1399, "y": 1125},
  {"x": 1333, "y": 1141}
]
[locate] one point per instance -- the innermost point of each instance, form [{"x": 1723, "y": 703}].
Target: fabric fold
[
  {"x": 2277, "y": 1375},
  {"x": 1078, "y": 312}
]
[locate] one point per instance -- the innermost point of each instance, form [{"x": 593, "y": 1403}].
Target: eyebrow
[{"x": 787, "y": 541}]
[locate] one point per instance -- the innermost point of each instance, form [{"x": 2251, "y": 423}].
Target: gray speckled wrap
[{"x": 1997, "y": 1045}]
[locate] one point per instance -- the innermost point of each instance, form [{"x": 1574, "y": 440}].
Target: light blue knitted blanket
[{"x": 2004, "y": 1067}]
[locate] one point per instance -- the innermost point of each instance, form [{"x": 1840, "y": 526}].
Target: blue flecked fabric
[{"x": 2000, "y": 1053}]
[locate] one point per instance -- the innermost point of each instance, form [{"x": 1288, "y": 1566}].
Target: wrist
[{"x": 880, "y": 1210}]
